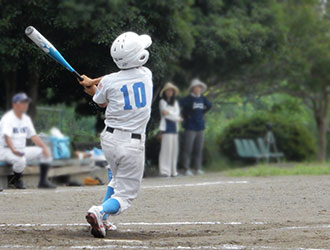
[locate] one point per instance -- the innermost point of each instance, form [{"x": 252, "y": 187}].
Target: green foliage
[
  {"x": 292, "y": 138},
  {"x": 83, "y": 31},
  {"x": 306, "y": 52},
  {"x": 232, "y": 34},
  {"x": 78, "y": 128},
  {"x": 213, "y": 39},
  {"x": 226, "y": 110}
]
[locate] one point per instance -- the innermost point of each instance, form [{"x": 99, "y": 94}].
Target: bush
[{"x": 292, "y": 138}]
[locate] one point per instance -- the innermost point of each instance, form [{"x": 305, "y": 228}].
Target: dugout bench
[{"x": 59, "y": 168}]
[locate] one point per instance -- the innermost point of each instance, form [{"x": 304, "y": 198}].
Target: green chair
[
  {"x": 244, "y": 149},
  {"x": 240, "y": 148},
  {"x": 255, "y": 149},
  {"x": 253, "y": 152},
  {"x": 247, "y": 148},
  {"x": 264, "y": 150}
]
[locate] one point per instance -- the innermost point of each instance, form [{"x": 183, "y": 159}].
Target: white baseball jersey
[
  {"x": 17, "y": 129},
  {"x": 129, "y": 97}
]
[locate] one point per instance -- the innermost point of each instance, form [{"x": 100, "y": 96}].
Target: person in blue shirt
[{"x": 194, "y": 106}]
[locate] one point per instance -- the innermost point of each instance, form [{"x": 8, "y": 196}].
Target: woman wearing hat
[
  {"x": 170, "y": 118},
  {"x": 194, "y": 106}
]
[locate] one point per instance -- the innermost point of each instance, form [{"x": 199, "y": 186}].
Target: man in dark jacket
[{"x": 194, "y": 106}]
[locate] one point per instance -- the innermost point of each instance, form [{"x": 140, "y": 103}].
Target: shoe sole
[{"x": 96, "y": 231}]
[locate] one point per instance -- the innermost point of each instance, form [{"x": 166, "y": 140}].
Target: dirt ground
[{"x": 200, "y": 212}]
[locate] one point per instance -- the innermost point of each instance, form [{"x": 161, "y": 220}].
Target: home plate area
[{"x": 199, "y": 212}]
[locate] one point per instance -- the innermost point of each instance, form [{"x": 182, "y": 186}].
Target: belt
[{"x": 134, "y": 136}]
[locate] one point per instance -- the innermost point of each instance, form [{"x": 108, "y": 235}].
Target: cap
[
  {"x": 21, "y": 97},
  {"x": 196, "y": 82},
  {"x": 167, "y": 86}
]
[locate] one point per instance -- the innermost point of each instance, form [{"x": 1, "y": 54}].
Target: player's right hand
[
  {"x": 18, "y": 153},
  {"x": 90, "y": 90},
  {"x": 87, "y": 82}
]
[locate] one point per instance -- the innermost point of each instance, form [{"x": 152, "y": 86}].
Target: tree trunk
[
  {"x": 33, "y": 92},
  {"x": 322, "y": 127},
  {"x": 321, "y": 107}
]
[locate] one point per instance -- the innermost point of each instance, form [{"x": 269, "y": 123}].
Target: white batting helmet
[{"x": 129, "y": 50}]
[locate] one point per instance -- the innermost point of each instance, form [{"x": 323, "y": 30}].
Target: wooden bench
[{"x": 59, "y": 168}]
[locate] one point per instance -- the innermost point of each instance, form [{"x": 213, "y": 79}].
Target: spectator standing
[
  {"x": 194, "y": 106},
  {"x": 169, "y": 127},
  {"x": 15, "y": 128}
]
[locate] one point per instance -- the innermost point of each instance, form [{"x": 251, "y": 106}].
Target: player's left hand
[{"x": 86, "y": 82}]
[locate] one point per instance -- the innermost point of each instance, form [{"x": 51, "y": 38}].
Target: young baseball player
[
  {"x": 15, "y": 128},
  {"x": 127, "y": 95}
]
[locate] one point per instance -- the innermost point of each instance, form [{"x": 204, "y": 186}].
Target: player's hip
[{"x": 116, "y": 138}]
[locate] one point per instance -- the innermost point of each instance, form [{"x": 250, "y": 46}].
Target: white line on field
[
  {"x": 86, "y": 189},
  {"x": 111, "y": 247},
  {"x": 188, "y": 223},
  {"x": 179, "y": 223},
  {"x": 196, "y": 184},
  {"x": 122, "y": 240},
  {"x": 114, "y": 246},
  {"x": 305, "y": 227},
  {"x": 44, "y": 225}
]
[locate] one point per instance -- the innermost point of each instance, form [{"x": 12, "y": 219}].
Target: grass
[{"x": 281, "y": 170}]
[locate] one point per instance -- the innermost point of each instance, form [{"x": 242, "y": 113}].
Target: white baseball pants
[
  {"x": 19, "y": 163},
  {"x": 126, "y": 159}
]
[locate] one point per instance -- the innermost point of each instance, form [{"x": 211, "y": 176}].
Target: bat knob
[{"x": 29, "y": 30}]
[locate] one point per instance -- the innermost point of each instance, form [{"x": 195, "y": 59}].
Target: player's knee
[{"x": 19, "y": 165}]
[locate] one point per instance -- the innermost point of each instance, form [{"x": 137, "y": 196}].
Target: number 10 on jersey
[{"x": 139, "y": 95}]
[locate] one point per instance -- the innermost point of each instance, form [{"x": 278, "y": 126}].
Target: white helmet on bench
[{"x": 129, "y": 50}]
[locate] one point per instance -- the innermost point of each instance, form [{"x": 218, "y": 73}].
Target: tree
[
  {"x": 305, "y": 62},
  {"x": 83, "y": 31},
  {"x": 230, "y": 35},
  {"x": 298, "y": 66}
]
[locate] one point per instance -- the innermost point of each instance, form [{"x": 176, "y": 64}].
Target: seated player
[{"x": 15, "y": 127}]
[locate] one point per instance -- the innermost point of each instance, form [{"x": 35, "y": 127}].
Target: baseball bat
[{"x": 49, "y": 49}]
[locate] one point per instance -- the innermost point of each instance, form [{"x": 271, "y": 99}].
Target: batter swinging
[{"x": 127, "y": 95}]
